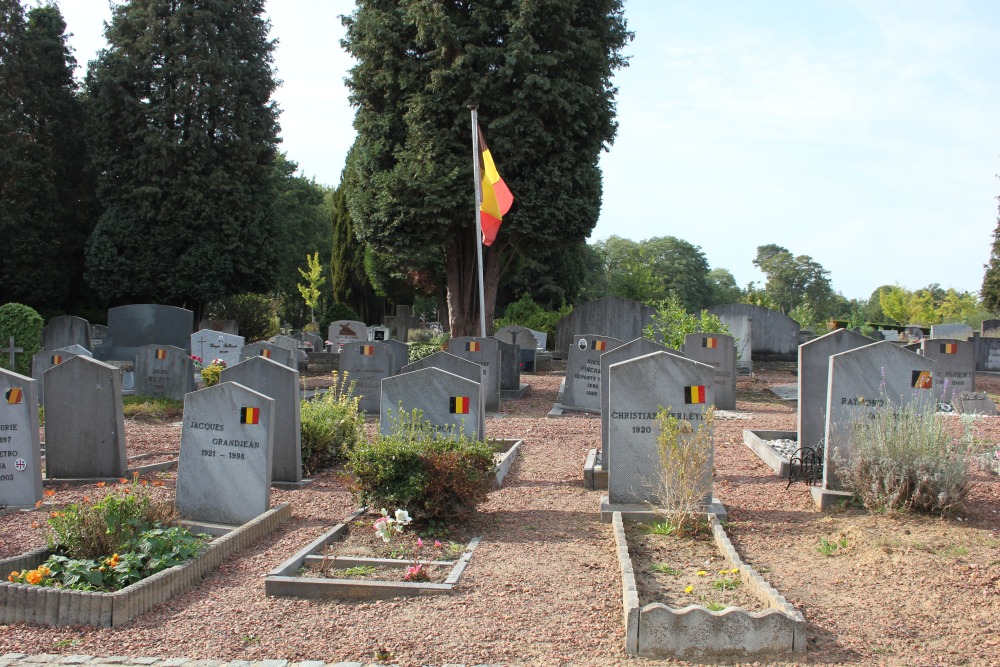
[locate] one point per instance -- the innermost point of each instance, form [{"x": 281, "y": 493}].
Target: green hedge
[
  {"x": 331, "y": 428},
  {"x": 25, "y": 325}
]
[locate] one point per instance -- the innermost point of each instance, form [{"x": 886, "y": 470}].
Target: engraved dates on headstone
[{"x": 20, "y": 453}]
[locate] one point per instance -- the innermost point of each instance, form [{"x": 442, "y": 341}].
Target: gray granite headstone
[
  {"x": 224, "y": 470},
  {"x": 583, "y": 371},
  {"x": 268, "y": 351},
  {"x": 465, "y": 368},
  {"x": 84, "y": 420},
  {"x": 163, "y": 370},
  {"x": 813, "y": 381},
  {"x": 510, "y": 366},
  {"x": 400, "y": 355},
  {"x": 75, "y": 350},
  {"x": 486, "y": 352},
  {"x": 444, "y": 399},
  {"x": 890, "y": 335},
  {"x": 131, "y": 327},
  {"x": 990, "y": 329},
  {"x": 525, "y": 339},
  {"x": 974, "y": 403},
  {"x": 365, "y": 364},
  {"x": 346, "y": 331},
  {"x": 954, "y": 366},
  {"x": 913, "y": 332},
  {"x": 638, "y": 388},
  {"x": 876, "y": 377},
  {"x": 379, "y": 333},
  {"x": 281, "y": 383},
  {"x": 719, "y": 352},
  {"x": 633, "y": 349},
  {"x": 310, "y": 342},
  {"x": 610, "y": 316},
  {"x": 741, "y": 327},
  {"x": 953, "y": 331},
  {"x": 64, "y": 331},
  {"x": 98, "y": 335},
  {"x": 20, "y": 453},
  {"x": 294, "y": 351},
  {"x": 42, "y": 362},
  {"x": 209, "y": 345}
]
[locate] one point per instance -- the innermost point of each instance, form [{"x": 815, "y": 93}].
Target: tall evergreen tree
[
  {"x": 46, "y": 198},
  {"x": 184, "y": 142},
  {"x": 540, "y": 71},
  {"x": 349, "y": 283},
  {"x": 990, "y": 291}
]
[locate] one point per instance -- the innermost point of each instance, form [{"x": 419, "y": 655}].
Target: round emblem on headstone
[
  {"x": 582, "y": 344},
  {"x": 20, "y": 464}
]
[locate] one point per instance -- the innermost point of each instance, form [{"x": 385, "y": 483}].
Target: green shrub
[
  {"x": 255, "y": 314},
  {"x": 526, "y": 313},
  {"x": 902, "y": 457},
  {"x": 155, "y": 407},
  {"x": 671, "y": 323},
  {"x": 25, "y": 325},
  {"x": 685, "y": 468},
  {"x": 435, "y": 474},
  {"x": 331, "y": 426},
  {"x": 211, "y": 374},
  {"x": 332, "y": 313}
]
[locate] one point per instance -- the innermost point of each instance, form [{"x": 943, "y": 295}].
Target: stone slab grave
[
  {"x": 974, "y": 403},
  {"x": 445, "y": 399},
  {"x": 595, "y": 469},
  {"x": 164, "y": 371},
  {"x": 611, "y": 316},
  {"x": 295, "y": 352},
  {"x": 955, "y": 366},
  {"x": 224, "y": 471},
  {"x": 455, "y": 365},
  {"x": 209, "y": 345},
  {"x": 84, "y": 421},
  {"x": 719, "y": 352},
  {"x": 400, "y": 355},
  {"x": 786, "y": 392},
  {"x": 486, "y": 353},
  {"x": 133, "y": 326},
  {"x": 346, "y": 331},
  {"x": 863, "y": 381},
  {"x": 953, "y": 331},
  {"x": 64, "y": 331},
  {"x": 42, "y": 362},
  {"x": 280, "y": 383},
  {"x": 775, "y": 448},
  {"x": 365, "y": 364},
  {"x": 268, "y": 351},
  {"x": 20, "y": 451},
  {"x": 637, "y": 389},
  {"x": 582, "y": 389},
  {"x": 511, "y": 388},
  {"x": 525, "y": 339}
]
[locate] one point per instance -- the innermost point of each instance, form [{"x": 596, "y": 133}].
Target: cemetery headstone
[
  {"x": 719, "y": 352},
  {"x": 455, "y": 365},
  {"x": 268, "y": 351},
  {"x": 638, "y": 388},
  {"x": 11, "y": 352},
  {"x": 280, "y": 383},
  {"x": 990, "y": 329},
  {"x": 583, "y": 371},
  {"x": 913, "y": 333},
  {"x": 813, "y": 381},
  {"x": 42, "y": 362},
  {"x": 209, "y": 345},
  {"x": 974, "y": 403},
  {"x": 75, "y": 349},
  {"x": 310, "y": 342},
  {"x": 445, "y": 399},
  {"x": 98, "y": 336},
  {"x": 954, "y": 366},
  {"x": 541, "y": 337},
  {"x": 510, "y": 371},
  {"x": 346, "y": 331},
  {"x": 84, "y": 420},
  {"x": 400, "y": 355},
  {"x": 378, "y": 333},
  {"x": 401, "y": 323},
  {"x": 130, "y": 327},
  {"x": 525, "y": 339},
  {"x": 20, "y": 452},
  {"x": 366, "y": 364},
  {"x": 890, "y": 335},
  {"x": 954, "y": 331},
  {"x": 611, "y": 316},
  {"x": 224, "y": 469},
  {"x": 164, "y": 370},
  {"x": 486, "y": 353},
  {"x": 64, "y": 331},
  {"x": 876, "y": 377},
  {"x": 773, "y": 334}
]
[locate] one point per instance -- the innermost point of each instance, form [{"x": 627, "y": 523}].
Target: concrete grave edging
[
  {"x": 58, "y": 607},
  {"x": 756, "y": 441},
  {"x": 657, "y": 630},
  {"x": 506, "y": 452}
]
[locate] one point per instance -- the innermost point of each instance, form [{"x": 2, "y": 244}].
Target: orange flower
[
  {"x": 101, "y": 485},
  {"x": 144, "y": 482},
  {"x": 49, "y": 492},
  {"x": 34, "y": 524},
  {"x": 86, "y": 499},
  {"x": 13, "y": 575},
  {"x": 38, "y": 504},
  {"x": 157, "y": 483},
  {"x": 122, "y": 480},
  {"x": 33, "y": 577},
  {"x": 126, "y": 490}
]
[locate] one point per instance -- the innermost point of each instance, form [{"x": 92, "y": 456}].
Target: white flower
[{"x": 402, "y": 517}]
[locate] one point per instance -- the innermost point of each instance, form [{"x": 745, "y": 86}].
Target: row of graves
[{"x": 843, "y": 376}]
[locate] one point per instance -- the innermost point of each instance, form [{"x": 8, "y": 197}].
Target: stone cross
[{"x": 12, "y": 351}]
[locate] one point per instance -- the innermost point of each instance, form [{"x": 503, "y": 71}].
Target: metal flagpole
[{"x": 479, "y": 224}]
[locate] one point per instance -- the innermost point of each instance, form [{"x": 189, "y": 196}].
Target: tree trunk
[{"x": 463, "y": 285}]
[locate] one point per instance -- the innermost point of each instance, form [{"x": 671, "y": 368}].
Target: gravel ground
[{"x": 543, "y": 588}]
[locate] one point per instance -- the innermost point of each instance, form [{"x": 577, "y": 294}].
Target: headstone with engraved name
[
  {"x": 955, "y": 366},
  {"x": 224, "y": 470},
  {"x": 282, "y": 384},
  {"x": 443, "y": 398},
  {"x": 84, "y": 420},
  {"x": 64, "y": 331},
  {"x": 20, "y": 452},
  {"x": 719, "y": 352},
  {"x": 638, "y": 388},
  {"x": 877, "y": 377},
  {"x": 455, "y": 365},
  {"x": 268, "y": 351},
  {"x": 485, "y": 352},
  {"x": 163, "y": 370},
  {"x": 813, "y": 381},
  {"x": 523, "y": 337},
  {"x": 209, "y": 345},
  {"x": 583, "y": 371},
  {"x": 365, "y": 364},
  {"x": 346, "y": 331},
  {"x": 42, "y": 362}
]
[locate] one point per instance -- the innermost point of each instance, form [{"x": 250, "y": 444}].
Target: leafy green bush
[
  {"x": 902, "y": 457},
  {"x": 425, "y": 342},
  {"x": 155, "y": 407},
  {"x": 435, "y": 474},
  {"x": 685, "y": 468},
  {"x": 334, "y": 312},
  {"x": 211, "y": 374},
  {"x": 255, "y": 314},
  {"x": 671, "y": 323},
  {"x": 25, "y": 325},
  {"x": 526, "y": 313},
  {"x": 331, "y": 427}
]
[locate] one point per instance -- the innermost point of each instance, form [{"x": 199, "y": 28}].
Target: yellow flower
[
  {"x": 44, "y": 570},
  {"x": 13, "y": 575},
  {"x": 735, "y": 570},
  {"x": 689, "y": 589},
  {"x": 701, "y": 573},
  {"x": 723, "y": 571}
]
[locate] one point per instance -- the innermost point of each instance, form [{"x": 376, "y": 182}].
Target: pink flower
[
  {"x": 437, "y": 543},
  {"x": 420, "y": 542}
]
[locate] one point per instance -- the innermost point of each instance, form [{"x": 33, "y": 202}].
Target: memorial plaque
[
  {"x": 20, "y": 452},
  {"x": 209, "y": 345},
  {"x": 465, "y": 368},
  {"x": 719, "y": 352},
  {"x": 583, "y": 371},
  {"x": 485, "y": 352},
  {"x": 863, "y": 381},
  {"x": 280, "y": 383},
  {"x": 268, "y": 351},
  {"x": 638, "y": 388},
  {"x": 224, "y": 471},
  {"x": 954, "y": 366},
  {"x": 366, "y": 364},
  {"x": 445, "y": 399},
  {"x": 813, "y": 381},
  {"x": 164, "y": 370},
  {"x": 84, "y": 421},
  {"x": 346, "y": 331}
]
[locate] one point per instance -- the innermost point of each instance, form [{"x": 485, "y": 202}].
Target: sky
[{"x": 864, "y": 134}]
